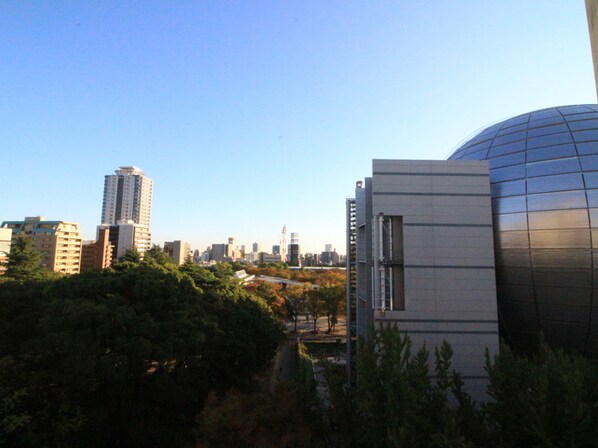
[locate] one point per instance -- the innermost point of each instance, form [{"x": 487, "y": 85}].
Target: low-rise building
[
  {"x": 97, "y": 254},
  {"x": 58, "y": 242}
]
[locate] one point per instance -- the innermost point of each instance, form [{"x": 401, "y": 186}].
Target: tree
[
  {"x": 132, "y": 255},
  {"x": 314, "y": 304},
  {"x": 295, "y": 296},
  {"x": 158, "y": 256},
  {"x": 333, "y": 298},
  {"x": 547, "y": 399},
  {"x": 24, "y": 262},
  {"x": 392, "y": 401},
  {"x": 123, "y": 357}
]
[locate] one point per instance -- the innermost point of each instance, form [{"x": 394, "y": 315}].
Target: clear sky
[{"x": 253, "y": 114}]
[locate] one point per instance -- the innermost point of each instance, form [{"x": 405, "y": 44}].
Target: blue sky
[{"x": 253, "y": 114}]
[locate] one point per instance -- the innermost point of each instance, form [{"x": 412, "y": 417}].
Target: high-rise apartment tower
[{"x": 127, "y": 197}]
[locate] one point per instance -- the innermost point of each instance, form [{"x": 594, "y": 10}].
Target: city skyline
[{"x": 248, "y": 118}]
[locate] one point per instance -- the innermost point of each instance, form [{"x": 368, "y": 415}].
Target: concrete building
[
  {"x": 97, "y": 254},
  {"x": 422, "y": 257},
  {"x": 127, "y": 197},
  {"x": 178, "y": 250},
  {"x": 58, "y": 242},
  {"x": 128, "y": 235},
  {"x": 329, "y": 258},
  {"x": 265, "y": 258},
  {"x": 294, "y": 251},
  {"x": 5, "y": 239},
  {"x": 592, "y": 13},
  {"x": 218, "y": 252},
  {"x": 127, "y": 203}
]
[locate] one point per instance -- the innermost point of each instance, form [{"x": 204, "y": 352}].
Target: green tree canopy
[
  {"x": 24, "y": 262},
  {"x": 122, "y": 357}
]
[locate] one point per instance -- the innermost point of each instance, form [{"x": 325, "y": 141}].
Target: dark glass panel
[
  {"x": 511, "y": 159},
  {"x": 564, "y": 314},
  {"x": 509, "y": 148},
  {"x": 582, "y": 116},
  {"x": 511, "y": 240},
  {"x": 511, "y": 129},
  {"x": 457, "y": 154},
  {"x": 523, "y": 337},
  {"x": 512, "y": 188},
  {"x": 573, "y": 110},
  {"x": 565, "y": 334},
  {"x": 477, "y": 147},
  {"x": 479, "y": 155},
  {"x": 514, "y": 276},
  {"x": 552, "y": 152},
  {"x": 549, "y": 140},
  {"x": 558, "y": 219},
  {"x": 553, "y": 167},
  {"x": 580, "y": 278},
  {"x": 511, "y": 204},
  {"x": 546, "y": 130},
  {"x": 591, "y": 179},
  {"x": 592, "y": 198},
  {"x": 555, "y": 183},
  {"x": 557, "y": 239},
  {"x": 589, "y": 163},
  {"x": 566, "y": 295},
  {"x": 508, "y": 138},
  {"x": 587, "y": 148},
  {"x": 586, "y": 136},
  {"x": 519, "y": 314},
  {"x": 544, "y": 115},
  {"x": 516, "y": 121},
  {"x": 516, "y": 294},
  {"x": 556, "y": 200},
  {"x": 583, "y": 125},
  {"x": 513, "y": 258},
  {"x": 513, "y": 221},
  {"x": 510, "y": 173},
  {"x": 562, "y": 259}
]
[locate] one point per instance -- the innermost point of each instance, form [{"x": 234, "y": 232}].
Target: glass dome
[{"x": 544, "y": 183}]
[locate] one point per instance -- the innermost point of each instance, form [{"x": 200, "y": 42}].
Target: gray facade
[{"x": 424, "y": 259}]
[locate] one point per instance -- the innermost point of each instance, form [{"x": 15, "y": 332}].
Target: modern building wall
[
  {"x": 178, "y": 250},
  {"x": 97, "y": 254},
  {"x": 592, "y": 13},
  {"x": 127, "y": 197},
  {"x": 5, "y": 242},
  {"x": 58, "y": 242},
  {"x": 425, "y": 258}
]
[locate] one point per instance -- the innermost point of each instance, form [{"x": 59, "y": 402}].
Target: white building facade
[{"x": 421, "y": 256}]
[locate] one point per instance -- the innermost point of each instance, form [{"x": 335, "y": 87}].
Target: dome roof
[{"x": 544, "y": 188}]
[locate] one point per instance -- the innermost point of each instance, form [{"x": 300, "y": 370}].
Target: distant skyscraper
[
  {"x": 276, "y": 249},
  {"x": 328, "y": 248},
  {"x": 294, "y": 250},
  {"x": 256, "y": 248},
  {"x": 127, "y": 197},
  {"x": 283, "y": 244}
]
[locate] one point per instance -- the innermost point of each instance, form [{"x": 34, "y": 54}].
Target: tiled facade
[
  {"x": 424, "y": 258},
  {"x": 59, "y": 242}
]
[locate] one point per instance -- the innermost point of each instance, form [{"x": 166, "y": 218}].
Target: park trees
[
  {"x": 333, "y": 299},
  {"x": 295, "y": 302},
  {"x": 123, "y": 357}
]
